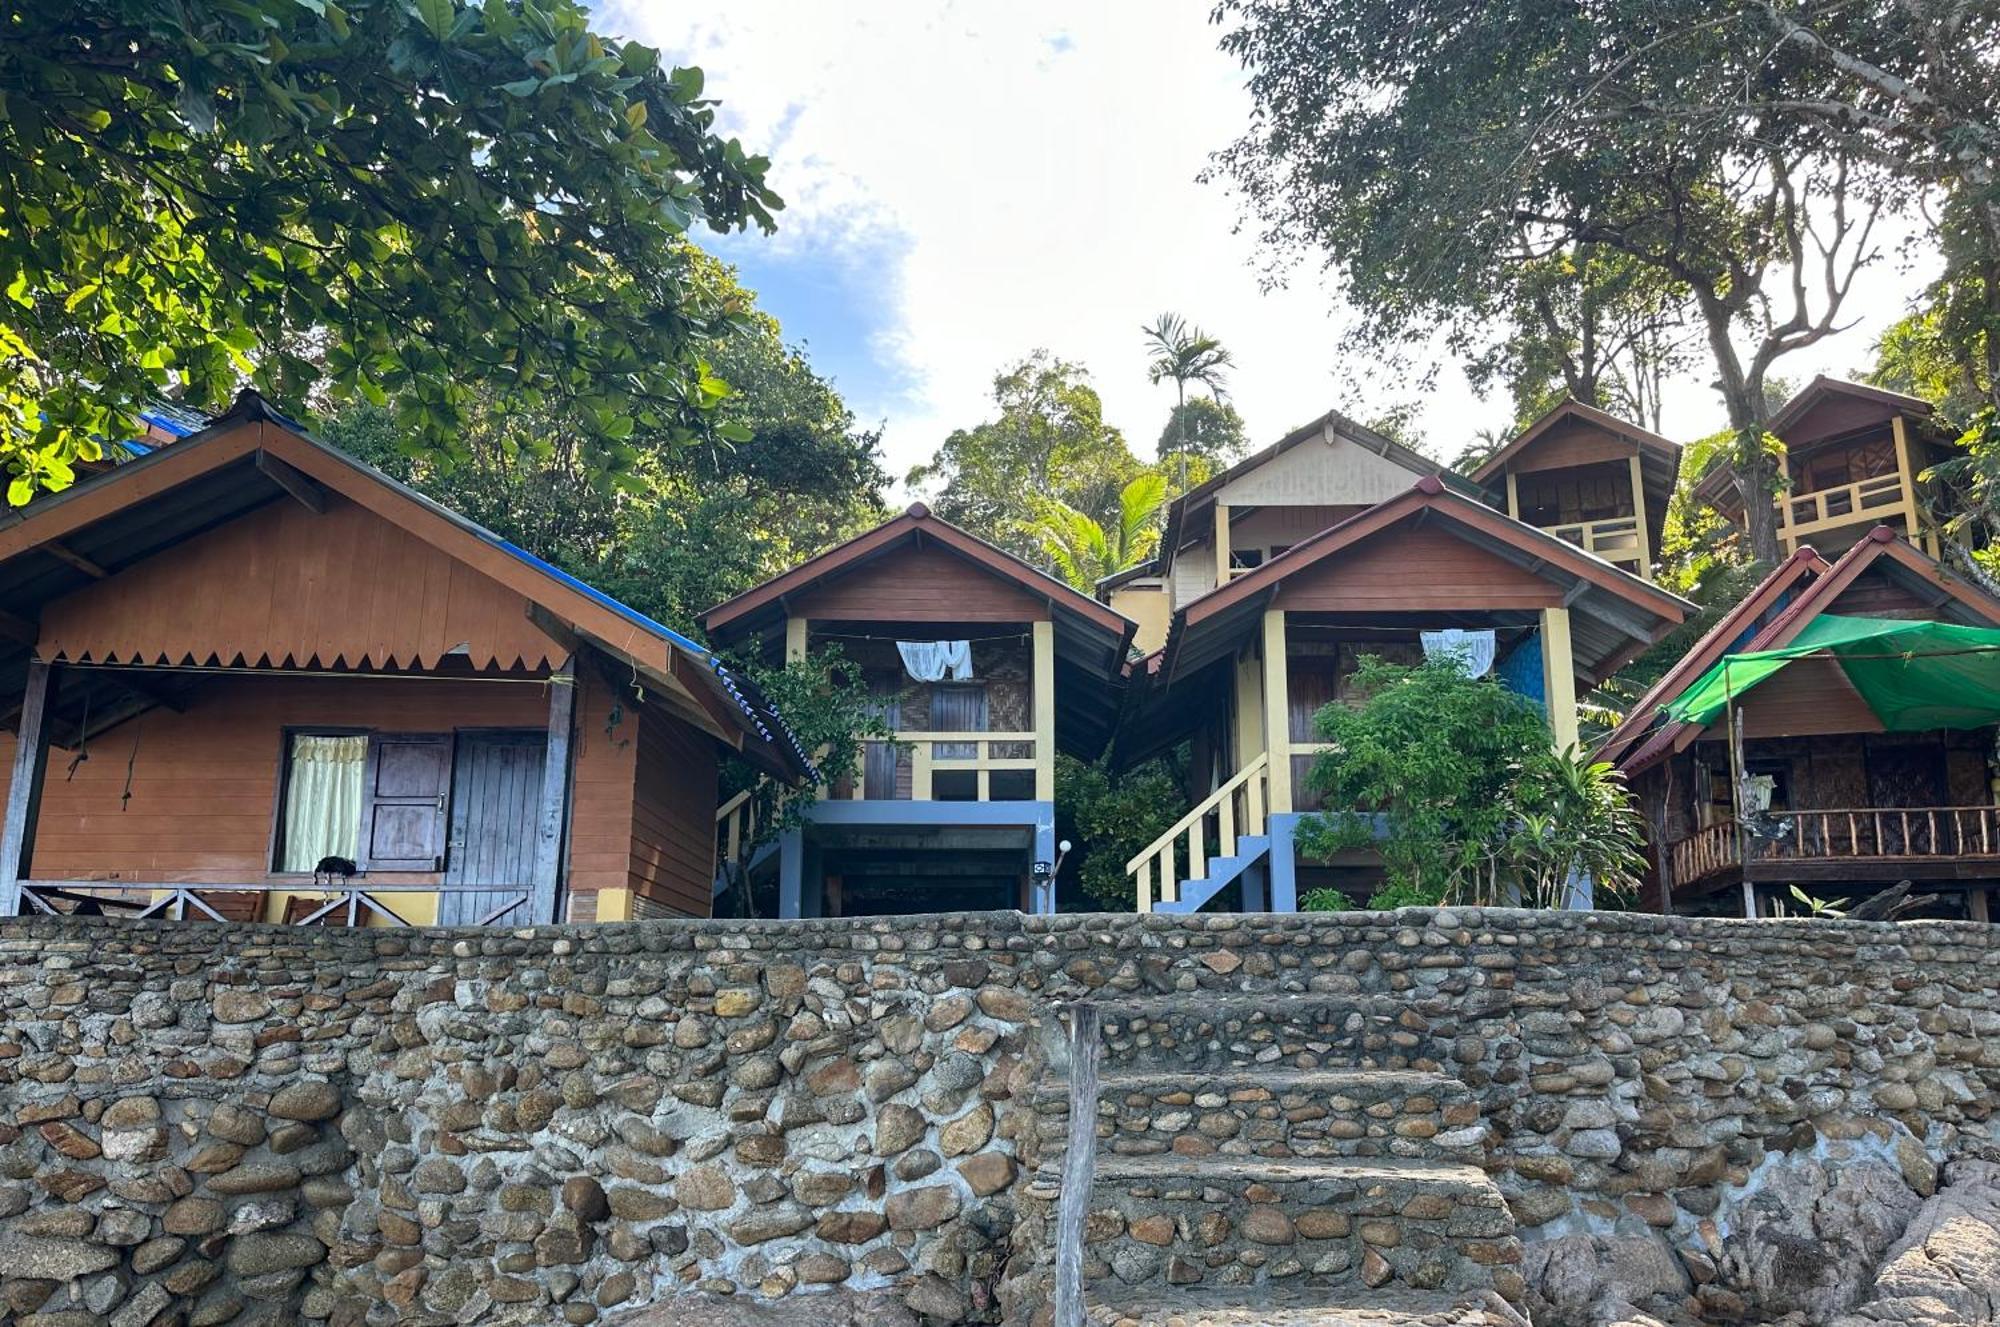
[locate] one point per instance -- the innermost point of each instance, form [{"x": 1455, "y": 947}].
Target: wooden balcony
[
  {"x": 1862, "y": 843},
  {"x": 932, "y": 754},
  {"x": 1616, "y": 540},
  {"x": 1866, "y": 501},
  {"x": 355, "y": 902}
]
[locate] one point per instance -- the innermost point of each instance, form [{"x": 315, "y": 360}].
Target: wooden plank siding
[
  {"x": 1418, "y": 570},
  {"x": 1874, "y": 595},
  {"x": 924, "y": 584},
  {"x": 205, "y": 782},
  {"x": 672, "y": 852},
  {"x": 283, "y": 585},
  {"x": 1572, "y": 442}
]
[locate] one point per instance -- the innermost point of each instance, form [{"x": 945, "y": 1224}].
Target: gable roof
[
  {"x": 1822, "y": 386},
  {"x": 1746, "y": 616},
  {"x": 1090, "y": 638},
  {"x": 1571, "y": 408},
  {"x": 1881, "y": 550},
  {"x": 1328, "y": 426},
  {"x": 252, "y": 455},
  {"x": 1618, "y": 607}
]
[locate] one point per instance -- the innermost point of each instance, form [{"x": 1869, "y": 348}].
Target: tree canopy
[
  {"x": 390, "y": 200},
  {"x": 1205, "y": 427}
]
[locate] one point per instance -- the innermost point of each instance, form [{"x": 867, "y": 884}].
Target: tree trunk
[{"x": 1743, "y": 397}]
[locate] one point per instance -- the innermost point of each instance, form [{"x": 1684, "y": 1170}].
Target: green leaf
[
  {"x": 635, "y": 114},
  {"x": 437, "y": 16},
  {"x": 522, "y": 87}
]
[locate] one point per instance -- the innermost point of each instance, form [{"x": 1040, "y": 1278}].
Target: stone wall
[{"x": 271, "y": 1125}]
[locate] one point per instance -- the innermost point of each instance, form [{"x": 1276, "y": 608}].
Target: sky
[{"x": 968, "y": 182}]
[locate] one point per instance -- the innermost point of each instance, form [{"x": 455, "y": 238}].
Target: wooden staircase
[{"x": 1178, "y": 864}]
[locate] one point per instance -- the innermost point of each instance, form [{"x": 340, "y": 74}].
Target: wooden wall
[
  {"x": 1874, "y": 595},
  {"x": 1408, "y": 569},
  {"x": 1572, "y": 442},
  {"x": 204, "y": 782},
  {"x": 282, "y": 584},
  {"x": 1337, "y": 473},
  {"x": 925, "y": 584}
]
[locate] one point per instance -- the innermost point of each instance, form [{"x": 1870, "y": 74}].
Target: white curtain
[
  {"x": 1474, "y": 649},
  {"x": 323, "y": 799},
  {"x": 929, "y": 660}
]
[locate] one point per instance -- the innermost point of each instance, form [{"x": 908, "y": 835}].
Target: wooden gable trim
[
  {"x": 1570, "y": 408},
  {"x": 1428, "y": 496},
  {"x": 916, "y": 525},
  {"x": 1712, "y": 646},
  {"x": 1823, "y": 386}
]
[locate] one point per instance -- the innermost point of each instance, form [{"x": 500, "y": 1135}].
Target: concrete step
[
  {"x": 1245, "y": 1029},
  {"x": 1275, "y": 1113},
  {"x": 1168, "y": 1221},
  {"x": 1297, "y": 1307}
]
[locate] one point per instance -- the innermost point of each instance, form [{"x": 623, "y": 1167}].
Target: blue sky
[{"x": 968, "y": 181}]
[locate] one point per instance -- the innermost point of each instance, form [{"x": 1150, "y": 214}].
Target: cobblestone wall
[{"x": 267, "y": 1125}]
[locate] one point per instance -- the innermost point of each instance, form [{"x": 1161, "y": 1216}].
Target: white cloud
[{"x": 1035, "y": 163}]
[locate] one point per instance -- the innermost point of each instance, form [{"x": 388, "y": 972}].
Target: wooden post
[
  {"x": 1559, "y": 677},
  {"x": 1079, "y": 1165},
  {"x": 1513, "y": 497},
  {"x": 1277, "y": 713},
  {"x": 1222, "y": 551},
  {"x": 795, "y": 639},
  {"x": 552, "y": 815},
  {"x": 1975, "y": 904},
  {"x": 1045, "y": 711},
  {"x": 1639, "y": 518},
  {"x": 1248, "y": 733},
  {"x": 1908, "y": 474},
  {"x": 24, "y": 786}
]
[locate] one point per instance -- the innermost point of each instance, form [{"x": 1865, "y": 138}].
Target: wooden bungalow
[
  {"x": 245, "y": 652},
  {"x": 1816, "y": 793},
  {"x": 1247, "y": 665},
  {"x": 983, "y": 668},
  {"x": 1591, "y": 478},
  {"x": 1854, "y": 458}
]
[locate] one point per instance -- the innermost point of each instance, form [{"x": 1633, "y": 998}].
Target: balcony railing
[
  {"x": 1829, "y": 508},
  {"x": 1233, "y": 811},
  {"x": 350, "y": 903},
  {"x": 1615, "y": 539},
  {"x": 1859, "y": 834},
  {"x": 932, "y": 754}
]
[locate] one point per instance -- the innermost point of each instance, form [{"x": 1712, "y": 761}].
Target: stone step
[
  {"x": 1274, "y": 1113},
  {"x": 1286, "y": 1306},
  {"x": 1223, "y": 1221},
  {"x": 1242, "y": 1030}
]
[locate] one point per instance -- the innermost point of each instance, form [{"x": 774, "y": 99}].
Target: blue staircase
[{"x": 1252, "y": 851}]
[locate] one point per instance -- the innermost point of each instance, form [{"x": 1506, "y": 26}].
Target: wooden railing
[
  {"x": 1615, "y": 539},
  {"x": 1234, "y": 810},
  {"x": 349, "y": 903},
  {"x": 1847, "y": 834},
  {"x": 926, "y": 762},
  {"x": 1827, "y": 508},
  {"x": 736, "y": 824}
]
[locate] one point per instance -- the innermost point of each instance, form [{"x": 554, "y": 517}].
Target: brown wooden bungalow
[
  {"x": 245, "y": 652},
  {"x": 1854, "y": 458},
  {"x": 1248, "y": 663},
  {"x": 1591, "y": 478},
  {"x": 1851, "y": 808},
  {"x": 958, "y": 809}
]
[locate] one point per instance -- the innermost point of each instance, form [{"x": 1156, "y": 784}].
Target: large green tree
[
  {"x": 395, "y": 200},
  {"x": 1428, "y": 150},
  {"x": 1204, "y": 427},
  {"x": 1047, "y": 441},
  {"x": 678, "y": 528}
]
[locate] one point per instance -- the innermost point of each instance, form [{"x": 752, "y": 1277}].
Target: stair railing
[{"x": 1234, "y": 810}]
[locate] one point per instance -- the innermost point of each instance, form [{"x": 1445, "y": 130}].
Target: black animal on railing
[{"x": 331, "y": 867}]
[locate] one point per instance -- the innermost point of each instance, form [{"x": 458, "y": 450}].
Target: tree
[
  {"x": 1084, "y": 551},
  {"x": 1184, "y": 353},
  {"x": 679, "y": 528},
  {"x": 1049, "y": 441},
  {"x": 1453, "y": 781},
  {"x": 1934, "y": 354},
  {"x": 1429, "y": 150},
  {"x": 388, "y": 200},
  {"x": 1111, "y": 817},
  {"x": 1205, "y": 427}
]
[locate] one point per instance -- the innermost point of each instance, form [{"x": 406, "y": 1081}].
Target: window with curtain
[{"x": 323, "y": 795}]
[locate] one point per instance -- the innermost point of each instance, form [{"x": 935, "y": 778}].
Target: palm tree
[
  {"x": 1183, "y": 352},
  {"x": 1083, "y": 551}
]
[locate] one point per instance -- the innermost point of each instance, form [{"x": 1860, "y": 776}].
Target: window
[{"x": 377, "y": 799}]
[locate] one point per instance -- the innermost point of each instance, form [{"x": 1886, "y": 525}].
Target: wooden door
[
  {"x": 958, "y": 707},
  {"x": 1312, "y": 685},
  {"x": 879, "y": 759},
  {"x": 402, "y": 817},
  {"x": 495, "y": 799}
]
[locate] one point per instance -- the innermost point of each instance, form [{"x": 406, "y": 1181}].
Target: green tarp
[{"x": 1914, "y": 675}]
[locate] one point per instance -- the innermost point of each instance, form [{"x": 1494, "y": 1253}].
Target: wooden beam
[
  {"x": 554, "y": 628},
  {"x": 24, "y": 786},
  {"x": 552, "y": 815},
  {"x": 146, "y": 689},
  {"x": 1559, "y": 677},
  {"x": 1045, "y": 710},
  {"x": 796, "y": 629},
  {"x": 288, "y": 477},
  {"x": 1277, "y": 714},
  {"x": 1222, "y": 549},
  {"x": 1639, "y": 515},
  {"x": 56, "y": 548}
]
